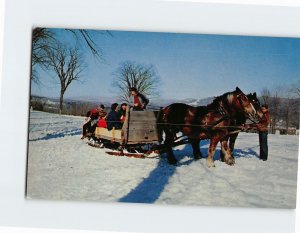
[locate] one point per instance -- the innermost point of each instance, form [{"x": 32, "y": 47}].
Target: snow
[{"x": 63, "y": 167}]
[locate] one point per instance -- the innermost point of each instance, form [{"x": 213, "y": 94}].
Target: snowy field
[{"x": 63, "y": 167}]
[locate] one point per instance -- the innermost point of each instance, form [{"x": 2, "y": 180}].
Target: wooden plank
[
  {"x": 139, "y": 127},
  {"x": 142, "y": 127},
  {"x": 114, "y": 135},
  {"x": 125, "y": 128}
]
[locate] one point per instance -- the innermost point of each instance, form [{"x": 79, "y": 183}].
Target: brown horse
[
  {"x": 239, "y": 121},
  {"x": 205, "y": 122}
]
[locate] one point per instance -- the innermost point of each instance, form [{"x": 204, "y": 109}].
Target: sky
[{"x": 189, "y": 65}]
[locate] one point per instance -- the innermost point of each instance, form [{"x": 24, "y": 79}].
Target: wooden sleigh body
[{"x": 136, "y": 137}]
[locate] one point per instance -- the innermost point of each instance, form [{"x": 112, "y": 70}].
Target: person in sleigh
[
  {"x": 92, "y": 118},
  {"x": 139, "y": 101}
]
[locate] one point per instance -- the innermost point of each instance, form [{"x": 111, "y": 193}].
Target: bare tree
[
  {"x": 295, "y": 88},
  {"x": 287, "y": 107},
  {"x": 86, "y": 38},
  {"x": 283, "y": 107},
  {"x": 294, "y": 113},
  {"x": 67, "y": 66},
  {"x": 266, "y": 94},
  {"x": 290, "y": 105},
  {"x": 275, "y": 103},
  {"x": 130, "y": 74},
  {"x": 43, "y": 40},
  {"x": 298, "y": 91}
]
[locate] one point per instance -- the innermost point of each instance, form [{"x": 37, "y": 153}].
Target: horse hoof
[
  {"x": 172, "y": 161},
  {"x": 230, "y": 161},
  {"x": 211, "y": 164},
  {"x": 197, "y": 157}
]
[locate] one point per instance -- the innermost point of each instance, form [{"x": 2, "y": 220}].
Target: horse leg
[
  {"x": 170, "y": 155},
  {"x": 196, "y": 148},
  {"x": 228, "y": 158},
  {"x": 222, "y": 155},
  {"x": 168, "y": 143},
  {"x": 232, "y": 142},
  {"x": 211, "y": 151}
]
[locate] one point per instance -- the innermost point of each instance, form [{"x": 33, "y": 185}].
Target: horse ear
[
  {"x": 254, "y": 94},
  {"x": 237, "y": 89}
]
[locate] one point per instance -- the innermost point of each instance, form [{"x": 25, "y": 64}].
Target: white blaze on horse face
[
  {"x": 251, "y": 111},
  {"x": 247, "y": 106}
]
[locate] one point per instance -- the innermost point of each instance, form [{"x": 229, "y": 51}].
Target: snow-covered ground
[{"x": 63, "y": 167}]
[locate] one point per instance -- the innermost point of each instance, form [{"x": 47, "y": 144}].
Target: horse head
[
  {"x": 255, "y": 102},
  {"x": 249, "y": 105}
]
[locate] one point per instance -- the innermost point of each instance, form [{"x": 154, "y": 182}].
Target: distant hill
[
  {"x": 199, "y": 102},
  {"x": 107, "y": 101},
  {"x": 189, "y": 101}
]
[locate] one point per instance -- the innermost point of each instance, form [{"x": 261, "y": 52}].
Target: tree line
[
  {"x": 74, "y": 108},
  {"x": 283, "y": 102}
]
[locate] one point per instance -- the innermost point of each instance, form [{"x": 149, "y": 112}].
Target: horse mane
[
  {"x": 216, "y": 106},
  {"x": 216, "y": 102}
]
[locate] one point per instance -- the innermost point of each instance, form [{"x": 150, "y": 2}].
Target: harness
[
  {"x": 224, "y": 116},
  {"x": 223, "y": 112}
]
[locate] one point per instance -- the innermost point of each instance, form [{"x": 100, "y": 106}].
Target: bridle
[{"x": 244, "y": 106}]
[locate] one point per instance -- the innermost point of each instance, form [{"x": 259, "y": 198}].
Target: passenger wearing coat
[
  {"x": 139, "y": 101},
  {"x": 113, "y": 118},
  {"x": 102, "y": 117},
  {"x": 122, "y": 112},
  {"x": 91, "y": 121}
]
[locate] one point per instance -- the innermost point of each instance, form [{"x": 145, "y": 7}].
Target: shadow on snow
[
  {"x": 58, "y": 135},
  {"x": 150, "y": 189},
  {"x": 245, "y": 153}
]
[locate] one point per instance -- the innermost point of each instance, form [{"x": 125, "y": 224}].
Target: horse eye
[{"x": 244, "y": 97}]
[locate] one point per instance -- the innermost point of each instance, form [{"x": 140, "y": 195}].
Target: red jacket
[
  {"x": 94, "y": 114},
  {"x": 102, "y": 123},
  {"x": 264, "y": 122}
]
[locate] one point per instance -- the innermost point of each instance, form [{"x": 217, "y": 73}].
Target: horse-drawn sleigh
[
  {"x": 146, "y": 132},
  {"x": 136, "y": 138}
]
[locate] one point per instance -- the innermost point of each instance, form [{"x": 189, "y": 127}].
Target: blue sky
[{"x": 189, "y": 65}]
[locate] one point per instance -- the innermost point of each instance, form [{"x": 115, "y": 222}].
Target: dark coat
[{"x": 113, "y": 120}]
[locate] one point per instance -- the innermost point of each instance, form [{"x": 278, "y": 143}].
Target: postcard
[{"x": 163, "y": 118}]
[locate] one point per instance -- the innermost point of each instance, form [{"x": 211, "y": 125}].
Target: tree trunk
[
  {"x": 287, "y": 114},
  {"x": 61, "y": 100},
  {"x": 273, "y": 125}
]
